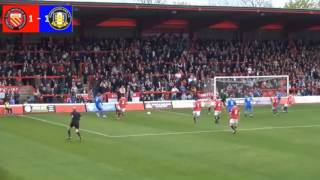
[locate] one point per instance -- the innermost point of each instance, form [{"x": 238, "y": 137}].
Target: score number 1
[{"x": 30, "y": 19}]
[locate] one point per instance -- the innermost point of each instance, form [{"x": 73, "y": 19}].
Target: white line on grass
[
  {"x": 215, "y": 131},
  {"x": 64, "y": 125},
  {"x": 180, "y": 114},
  {"x": 174, "y": 133}
]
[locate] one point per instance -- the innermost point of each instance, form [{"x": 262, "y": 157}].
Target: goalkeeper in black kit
[{"x": 75, "y": 123}]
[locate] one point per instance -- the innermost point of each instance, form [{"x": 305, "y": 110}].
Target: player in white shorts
[
  {"x": 196, "y": 111},
  {"x": 121, "y": 107},
  {"x": 209, "y": 104},
  {"x": 197, "y": 114},
  {"x": 122, "y": 110}
]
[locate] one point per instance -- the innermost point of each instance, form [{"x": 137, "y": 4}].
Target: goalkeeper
[{"x": 223, "y": 97}]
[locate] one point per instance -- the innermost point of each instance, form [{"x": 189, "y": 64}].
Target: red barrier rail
[
  {"x": 36, "y": 77},
  {"x": 55, "y": 95},
  {"x": 83, "y": 64},
  {"x": 79, "y": 51},
  {"x": 159, "y": 92},
  {"x": 21, "y": 64}
]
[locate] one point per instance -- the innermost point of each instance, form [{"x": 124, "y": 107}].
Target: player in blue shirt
[
  {"x": 99, "y": 106},
  {"x": 279, "y": 96},
  {"x": 248, "y": 109},
  {"x": 230, "y": 104}
]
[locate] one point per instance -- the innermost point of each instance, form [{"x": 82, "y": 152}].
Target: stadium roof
[{"x": 192, "y": 18}]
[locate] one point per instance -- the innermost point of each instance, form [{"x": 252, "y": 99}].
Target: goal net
[{"x": 257, "y": 86}]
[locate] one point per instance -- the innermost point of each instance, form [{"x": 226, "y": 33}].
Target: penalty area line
[{"x": 174, "y": 133}]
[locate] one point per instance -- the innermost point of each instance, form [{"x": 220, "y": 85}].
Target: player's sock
[
  {"x": 196, "y": 120},
  {"x": 274, "y": 112},
  {"x": 233, "y": 129},
  {"x": 216, "y": 119},
  {"x": 69, "y": 134},
  {"x": 79, "y": 135}
]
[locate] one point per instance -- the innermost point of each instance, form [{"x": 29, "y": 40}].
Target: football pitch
[{"x": 165, "y": 145}]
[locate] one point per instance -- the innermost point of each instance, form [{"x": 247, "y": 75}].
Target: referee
[{"x": 75, "y": 122}]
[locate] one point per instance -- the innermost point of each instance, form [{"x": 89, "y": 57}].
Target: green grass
[{"x": 35, "y": 150}]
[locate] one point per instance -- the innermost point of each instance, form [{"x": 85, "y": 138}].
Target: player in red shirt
[
  {"x": 210, "y": 104},
  {"x": 275, "y": 103},
  {"x": 196, "y": 111},
  {"x": 121, "y": 107},
  {"x": 217, "y": 110},
  {"x": 234, "y": 118}
]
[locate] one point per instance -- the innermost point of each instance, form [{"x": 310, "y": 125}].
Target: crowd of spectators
[{"x": 166, "y": 62}]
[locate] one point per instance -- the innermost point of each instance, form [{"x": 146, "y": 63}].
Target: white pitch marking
[
  {"x": 216, "y": 131},
  {"x": 63, "y": 125},
  {"x": 174, "y": 133},
  {"x": 179, "y": 113}
]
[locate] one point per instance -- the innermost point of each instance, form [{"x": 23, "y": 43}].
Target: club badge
[
  {"x": 59, "y": 18},
  {"x": 15, "y": 19}
]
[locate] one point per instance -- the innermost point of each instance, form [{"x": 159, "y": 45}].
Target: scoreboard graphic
[{"x": 36, "y": 18}]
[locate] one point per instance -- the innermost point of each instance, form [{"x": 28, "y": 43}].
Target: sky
[
  {"x": 275, "y": 3},
  {"x": 279, "y": 3}
]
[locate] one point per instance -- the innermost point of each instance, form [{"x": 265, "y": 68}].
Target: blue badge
[{"x": 55, "y": 18}]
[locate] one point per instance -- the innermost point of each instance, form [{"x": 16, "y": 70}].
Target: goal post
[{"x": 258, "y": 86}]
